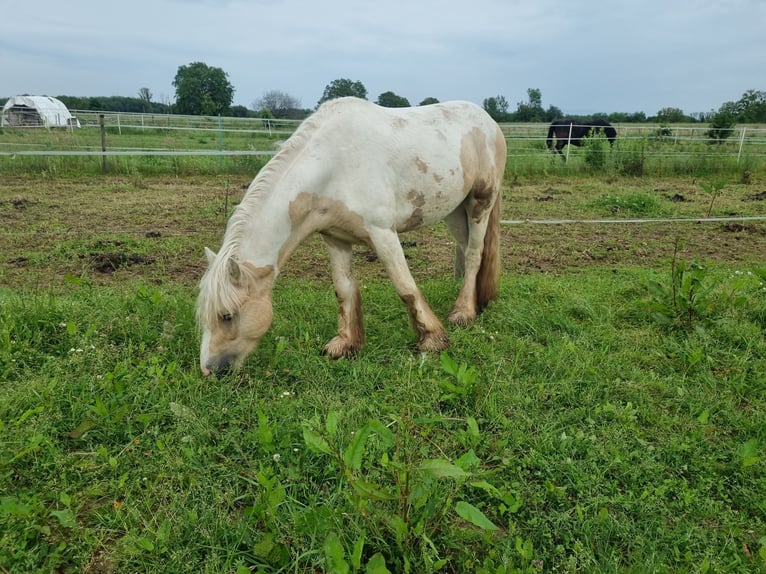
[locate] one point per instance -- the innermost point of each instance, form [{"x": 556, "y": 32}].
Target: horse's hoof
[
  {"x": 433, "y": 343},
  {"x": 461, "y": 318},
  {"x": 339, "y": 347}
]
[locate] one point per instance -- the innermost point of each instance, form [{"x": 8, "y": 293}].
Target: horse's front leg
[
  {"x": 431, "y": 334},
  {"x": 350, "y": 337}
]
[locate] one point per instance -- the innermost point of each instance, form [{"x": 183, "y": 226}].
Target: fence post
[
  {"x": 741, "y": 142},
  {"x": 103, "y": 141},
  {"x": 220, "y": 133},
  {"x": 569, "y": 141},
  {"x": 220, "y": 140}
]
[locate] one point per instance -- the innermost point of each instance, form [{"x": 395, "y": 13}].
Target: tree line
[{"x": 206, "y": 90}]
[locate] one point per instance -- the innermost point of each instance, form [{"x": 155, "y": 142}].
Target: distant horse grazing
[
  {"x": 358, "y": 173},
  {"x": 580, "y": 129}
]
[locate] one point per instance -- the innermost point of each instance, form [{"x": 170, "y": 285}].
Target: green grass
[{"x": 567, "y": 430}]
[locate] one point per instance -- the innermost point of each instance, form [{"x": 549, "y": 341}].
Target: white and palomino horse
[{"x": 358, "y": 173}]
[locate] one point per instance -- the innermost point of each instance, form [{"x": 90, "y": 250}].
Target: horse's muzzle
[{"x": 219, "y": 367}]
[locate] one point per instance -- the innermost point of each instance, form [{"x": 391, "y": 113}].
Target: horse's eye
[{"x": 226, "y": 317}]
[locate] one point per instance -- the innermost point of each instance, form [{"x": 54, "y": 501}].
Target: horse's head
[{"x": 233, "y": 311}]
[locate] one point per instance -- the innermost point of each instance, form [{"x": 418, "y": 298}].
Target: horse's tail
[
  {"x": 488, "y": 277},
  {"x": 549, "y": 141}
]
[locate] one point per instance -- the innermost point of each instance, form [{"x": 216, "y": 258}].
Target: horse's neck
[
  {"x": 257, "y": 230},
  {"x": 266, "y": 232},
  {"x": 269, "y": 228}
]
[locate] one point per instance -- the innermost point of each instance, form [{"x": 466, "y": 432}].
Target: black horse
[{"x": 579, "y": 130}]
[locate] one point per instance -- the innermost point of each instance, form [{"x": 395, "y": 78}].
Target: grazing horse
[
  {"x": 355, "y": 172},
  {"x": 579, "y": 130}
]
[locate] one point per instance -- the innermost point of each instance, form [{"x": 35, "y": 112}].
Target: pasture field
[
  {"x": 606, "y": 414},
  {"x": 188, "y": 145}
]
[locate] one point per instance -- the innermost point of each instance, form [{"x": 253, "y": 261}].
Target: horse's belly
[{"x": 427, "y": 207}]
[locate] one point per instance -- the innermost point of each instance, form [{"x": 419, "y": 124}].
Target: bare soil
[{"x": 115, "y": 228}]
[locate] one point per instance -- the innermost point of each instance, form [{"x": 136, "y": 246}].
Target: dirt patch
[
  {"x": 111, "y": 262},
  {"x": 760, "y": 196},
  {"x": 20, "y": 202},
  {"x": 156, "y": 230}
]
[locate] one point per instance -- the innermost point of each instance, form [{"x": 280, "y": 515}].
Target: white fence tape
[
  {"x": 627, "y": 220},
  {"x": 135, "y": 152}
]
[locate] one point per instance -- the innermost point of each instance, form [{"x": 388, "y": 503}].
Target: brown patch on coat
[
  {"x": 470, "y": 156},
  {"x": 259, "y": 273},
  {"x": 238, "y": 336},
  {"x": 415, "y": 220},
  {"x": 416, "y": 198},
  {"x": 310, "y": 213},
  {"x": 481, "y": 172},
  {"x": 350, "y": 336},
  {"x": 422, "y": 166},
  {"x": 432, "y": 338}
]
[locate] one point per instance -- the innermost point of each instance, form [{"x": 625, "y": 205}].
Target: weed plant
[{"x": 566, "y": 430}]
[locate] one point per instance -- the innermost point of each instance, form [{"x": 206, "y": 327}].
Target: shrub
[
  {"x": 721, "y": 126},
  {"x": 634, "y": 204},
  {"x": 596, "y": 149}
]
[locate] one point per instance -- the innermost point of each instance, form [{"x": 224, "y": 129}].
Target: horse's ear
[
  {"x": 234, "y": 270},
  {"x": 210, "y": 254}
]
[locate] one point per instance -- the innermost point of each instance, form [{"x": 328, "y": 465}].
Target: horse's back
[
  {"x": 435, "y": 151},
  {"x": 432, "y": 127}
]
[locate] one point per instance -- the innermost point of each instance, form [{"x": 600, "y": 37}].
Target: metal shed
[{"x": 37, "y": 111}]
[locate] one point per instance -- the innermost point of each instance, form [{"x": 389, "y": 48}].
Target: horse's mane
[{"x": 217, "y": 293}]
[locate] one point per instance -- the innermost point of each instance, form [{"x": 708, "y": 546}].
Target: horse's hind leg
[
  {"x": 431, "y": 334},
  {"x": 458, "y": 226},
  {"x": 350, "y": 337},
  {"x": 475, "y": 211}
]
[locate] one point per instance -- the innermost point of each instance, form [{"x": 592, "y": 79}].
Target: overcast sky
[{"x": 584, "y": 55}]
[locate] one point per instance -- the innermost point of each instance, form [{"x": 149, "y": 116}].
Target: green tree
[
  {"x": 721, "y": 124},
  {"x": 145, "y": 97},
  {"x": 532, "y": 110},
  {"x": 497, "y": 108},
  {"x": 428, "y": 101},
  {"x": 751, "y": 107},
  {"x": 391, "y": 100},
  {"x": 343, "y": 87},
  {"x": 96, "y": 104},
  {"x": 624, "y": 117},
  {"x": 281, "y": 104},
  {"x": 553, "y": 113},
  {"x": 671, "y": 116},
  {"x": 202, "y": 90},
  {"x": 239, "y": 112},
  {"x": 535, "y": 97}
]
